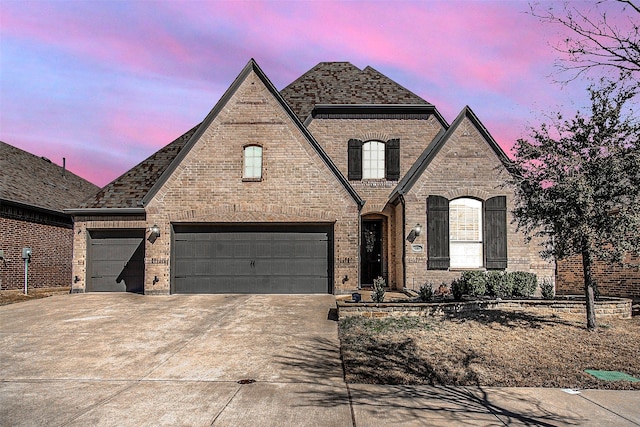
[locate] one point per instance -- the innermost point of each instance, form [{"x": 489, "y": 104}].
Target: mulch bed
[
  {"x": 490, "y": 348},
  {"x": 14, "y": 295}
]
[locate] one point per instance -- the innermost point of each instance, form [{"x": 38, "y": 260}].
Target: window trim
[
  {"x": 252, "y": 178},
  {"x": 477, "y": 243}
]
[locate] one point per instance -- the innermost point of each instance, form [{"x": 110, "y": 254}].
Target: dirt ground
[
  {"x": 14, "y": 295},
  {"x": 491, "y": 348}
]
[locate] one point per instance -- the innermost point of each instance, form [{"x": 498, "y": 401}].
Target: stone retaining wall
[{"x": 606, "y": 308}]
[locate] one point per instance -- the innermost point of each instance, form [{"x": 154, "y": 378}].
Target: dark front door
[{"x": 371, "y": 250}]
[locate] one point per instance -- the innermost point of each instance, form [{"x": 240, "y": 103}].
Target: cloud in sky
[{"x": 105, "y": 84}]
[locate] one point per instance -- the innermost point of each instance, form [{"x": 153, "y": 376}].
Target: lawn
[{"x": 490, "y": 348}]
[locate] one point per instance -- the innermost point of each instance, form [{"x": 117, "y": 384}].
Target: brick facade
[
  {"x": 613, "y": 280},
  {"x": 50, "y": 240},
  {"x": 465, "y": 166},
  {"x": 198, "y": 179}
]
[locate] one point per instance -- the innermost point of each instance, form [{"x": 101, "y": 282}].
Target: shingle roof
[
  {"x": 35, "y": 181},
  {"x": 128, "y": 190},
  {"x": 343, "y": 83}
]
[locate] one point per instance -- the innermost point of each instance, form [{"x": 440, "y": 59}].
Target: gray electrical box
[
  {"x": 26, "y": 253},
  {"x": 1, "y": 254}
]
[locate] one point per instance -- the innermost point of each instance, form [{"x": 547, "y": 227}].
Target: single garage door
[
  {"x": 266, "y": 259},
  {"x": 116, "y": 261}
]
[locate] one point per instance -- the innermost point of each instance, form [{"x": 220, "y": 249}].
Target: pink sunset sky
[{"x": 107, "y": 83}]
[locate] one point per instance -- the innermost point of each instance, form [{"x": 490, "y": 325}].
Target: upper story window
[
  {"x": 465, "y": 233},
  {"x": 373, "y": 160},
  {"x": 252, "y": 162}
]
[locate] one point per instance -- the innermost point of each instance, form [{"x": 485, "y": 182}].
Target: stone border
[{"x": 605, "y": 307}]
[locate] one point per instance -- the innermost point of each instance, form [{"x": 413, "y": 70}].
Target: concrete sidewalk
[{"x": 233, "y": 360}]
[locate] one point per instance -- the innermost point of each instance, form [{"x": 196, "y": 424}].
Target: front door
[{"x": 371, "y": 250}]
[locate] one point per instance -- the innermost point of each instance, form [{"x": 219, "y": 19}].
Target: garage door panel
[
  {"x": 116, "y": 261},
  {"x": 252, "y": 261}
]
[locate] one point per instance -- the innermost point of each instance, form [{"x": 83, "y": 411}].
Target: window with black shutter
[
  {"x": 495, "y": 219},
  {"x": 437, "y": 233},
  {"x": 392, "y": 159},
  {"x": 354, "y": 157}
]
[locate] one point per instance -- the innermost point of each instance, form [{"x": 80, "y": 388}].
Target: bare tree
[{"x": 603, "y": 35}]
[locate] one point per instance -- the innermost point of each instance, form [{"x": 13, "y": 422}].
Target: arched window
[
  {"x": 373, "y": 160},
  {"x": 252, "y": 162},
  {"x": 465, "y": 233}
]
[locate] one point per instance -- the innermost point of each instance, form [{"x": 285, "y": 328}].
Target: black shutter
[
  {"x": 437, "y": 233},
  {"x": 495, "y": 225},
  {"x": 355, "y": 160},
  {"x": 392, "y": 159}
]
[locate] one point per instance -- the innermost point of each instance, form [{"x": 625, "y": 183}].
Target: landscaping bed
[
  {"x": 14, "y": 295},
  {"x": 499, "y": 348}
]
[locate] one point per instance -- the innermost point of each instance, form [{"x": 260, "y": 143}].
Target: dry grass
[
  {"x": 13, "y": 296},
  {"x": 490, "y": 348}
]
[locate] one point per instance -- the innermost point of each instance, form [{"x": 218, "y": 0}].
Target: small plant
[
  {"x": 524, "y": 284},
  {"x": 377, "y": 293},
  {"x": 443, "y": 290},
  {"x": 547, "y": 288},
  {"x": 425, "y": 293},
  {"x": 458, "y": 288}
]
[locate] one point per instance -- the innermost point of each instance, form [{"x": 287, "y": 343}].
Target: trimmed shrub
[
  {"x": 377, "y": 293},
  {"x": 475, "y": 283},
  {"x": 547, "y": 288},
  {"x": 426, "y": 292},
  {"x": 499, "y": 284},
  {"x": 458, "y": 289},
  {"x": 524, "y": 284}
]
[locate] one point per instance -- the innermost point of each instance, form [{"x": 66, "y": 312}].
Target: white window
[
  {"x": 465, "y": 233},
  {"x": 373, "y": 160},
  {"x": 252, "y": 162}
]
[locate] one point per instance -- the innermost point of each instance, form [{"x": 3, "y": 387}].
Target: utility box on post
[{"x": 26, "y": 256}]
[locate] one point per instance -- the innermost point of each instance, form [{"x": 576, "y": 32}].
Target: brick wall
[
  {"x": 296, "y": 185},
  {"x": 51, "y": 247},
  {"x": 614, "y": 280},
  {"x": 466, "y": 166}
]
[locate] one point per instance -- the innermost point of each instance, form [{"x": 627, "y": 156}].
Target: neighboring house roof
[
  {"x": 438, "y": 142},
  {"x": 136, "y": 187},
  {"x": 128, "y": 190},
  {"x": 342, "y": 83},
  {"x": 36, "y": 182}
]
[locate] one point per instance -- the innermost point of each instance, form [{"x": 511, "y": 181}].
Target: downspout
[{"x": 404, "y": 246}]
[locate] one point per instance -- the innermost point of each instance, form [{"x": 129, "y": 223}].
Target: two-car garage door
[{"x": 252, "y": 259}]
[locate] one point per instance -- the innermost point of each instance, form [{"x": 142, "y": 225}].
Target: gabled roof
[
  {"x": 438, "y": 142},
  {"x": 342, "y": 83},
  {"x": 136, "y": 188},
  {"x": 128, "y": 190},
  {"x": 36, "y": 182}
]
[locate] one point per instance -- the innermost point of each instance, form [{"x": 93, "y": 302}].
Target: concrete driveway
[
  {"x": 131, "y": 360},
  {"x": 125, "y": 359}
]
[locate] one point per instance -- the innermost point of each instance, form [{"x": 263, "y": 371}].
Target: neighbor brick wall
[
  {"x": 614, "y": 280},
  {"x": 296, "y": 186},
  {"x": 51, "y": 247},
  {"x": 465, "y": 166}
]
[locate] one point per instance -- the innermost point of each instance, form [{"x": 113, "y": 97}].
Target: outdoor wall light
[
  {"x": 415, "y": 232},
  {"x": 155, "y": 231}
]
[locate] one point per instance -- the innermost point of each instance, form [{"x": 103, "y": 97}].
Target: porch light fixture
[
  {"x": 415, "y": 232},
  {"x": 155, "y": 231}
]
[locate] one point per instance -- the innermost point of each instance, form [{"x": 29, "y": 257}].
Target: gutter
[{"x": 105, "y": 211}]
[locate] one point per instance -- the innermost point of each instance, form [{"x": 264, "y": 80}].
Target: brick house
[
  {"x": 341, "y": 177},
  {"x": 33, "y": 194},
  {"x": 615, "y": 280}
]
